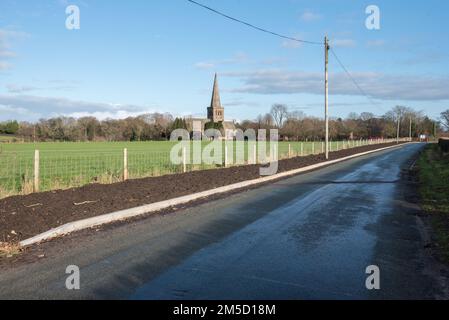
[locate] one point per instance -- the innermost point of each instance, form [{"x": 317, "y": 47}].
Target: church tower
[{"x": 215, "y": 112}]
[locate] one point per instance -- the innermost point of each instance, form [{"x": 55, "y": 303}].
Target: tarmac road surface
[{"x": 311, "y": 236}]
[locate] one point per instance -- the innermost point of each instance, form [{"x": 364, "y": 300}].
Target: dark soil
[{"x": 22, "y": 217}]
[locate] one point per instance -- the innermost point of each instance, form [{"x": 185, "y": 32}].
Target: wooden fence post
[
  {"x": 255, "y": 154},
  {"x": 313, "y": 147},
  {"x": 184, "y": 160},
  {"x": 226, "y": 155},
  {"x": 125, "y": 164},
  {"x": 36, "y": 170},
  {"x": 289, "y": 151}
]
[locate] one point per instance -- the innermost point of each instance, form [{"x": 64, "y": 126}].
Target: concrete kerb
[{"x": 157, "y": 206}]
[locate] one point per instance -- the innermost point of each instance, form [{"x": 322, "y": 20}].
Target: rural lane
[{"x": 306, "y": 237}]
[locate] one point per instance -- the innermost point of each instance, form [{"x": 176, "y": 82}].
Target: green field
[{"x": 67, "y": 164}]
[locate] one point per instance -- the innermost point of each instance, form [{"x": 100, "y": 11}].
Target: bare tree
[
  {"x": 445, "y": 119},
  {"x": 279, "y": 113}
]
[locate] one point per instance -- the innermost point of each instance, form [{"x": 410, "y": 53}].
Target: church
[{"x": 215, "y": 115}]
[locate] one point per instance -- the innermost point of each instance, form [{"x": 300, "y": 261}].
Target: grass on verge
[
  {"x": 8, "y": 250},
  {"x": 434, "y": 190}
]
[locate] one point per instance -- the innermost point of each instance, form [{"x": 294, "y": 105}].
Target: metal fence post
[{"x": 36, "y": 170}]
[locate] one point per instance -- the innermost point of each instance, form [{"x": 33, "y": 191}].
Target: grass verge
[
  {"x": 433, "y": 167},
  {"x": 9, "y": 250}
]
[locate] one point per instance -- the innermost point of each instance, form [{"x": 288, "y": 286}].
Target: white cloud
[
  {"x": 8, "y": 112},
  {"x": 343, "y": 43},
  {"x": 238, "y": 58},
  {"x": 290, "y": 44},
  {"x": 204, "y": 65},
  {"x": 375, "y": 43},
  {"x": 377, "y": 85},
  {"x": 102, "y": 115},
  {"x": 6, "y": 37},
  {"x": 4, "y": 65},
  {"x": 6, "y": 53},
  {"x": 26, "y": 107},
  {"x": 13, "y": 88},
  {"x": 309, "y": 16}
]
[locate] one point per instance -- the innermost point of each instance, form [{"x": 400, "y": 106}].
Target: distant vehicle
[{"x": 423, "y": 137}]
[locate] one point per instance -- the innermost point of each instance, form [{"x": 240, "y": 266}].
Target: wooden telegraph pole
[
  {"x": 410, "y": 134},
  {"x": 326, "y": 93}
]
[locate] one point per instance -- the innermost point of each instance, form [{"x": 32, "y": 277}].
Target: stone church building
[{"x": 215, "y": 113}]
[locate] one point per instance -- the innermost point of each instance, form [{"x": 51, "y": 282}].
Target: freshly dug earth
[{"x": 22, "y": 217}]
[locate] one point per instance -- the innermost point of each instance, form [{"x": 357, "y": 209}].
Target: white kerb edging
[{"x": 157, "y": 206}]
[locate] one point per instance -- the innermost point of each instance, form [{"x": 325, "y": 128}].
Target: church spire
[
  {"x": 215, "y": 102},
  {"x": 215, "y": 112}
]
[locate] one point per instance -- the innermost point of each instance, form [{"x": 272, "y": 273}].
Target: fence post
[
  {"x": 125, "y": 164},
  {"x": 289, "y": 151},
  {"x": 302, "y": 149},
  {"x": 313, "y": 147},
  {"x": 322, "y": 147},
  {"x": 255, "y": 154},
  {"x": 184, "y": 160},
  {"x": 226, "y": 155},
  {"x": 36, "y": 170}
]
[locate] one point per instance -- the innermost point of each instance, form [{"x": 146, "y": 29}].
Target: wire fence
[{"x": 20, "y": 174}]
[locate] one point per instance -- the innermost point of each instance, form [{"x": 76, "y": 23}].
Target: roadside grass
[
  {"x": 9, "y": 250},
  {"x": 434, "y": 191}
]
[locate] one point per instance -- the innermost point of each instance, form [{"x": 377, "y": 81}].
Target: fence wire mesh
[{"x": 60, "y": 170}]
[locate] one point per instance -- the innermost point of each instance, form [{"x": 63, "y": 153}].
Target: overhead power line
[
  {"x": 253, "y": 26},
  {"x": 352, "y": 78}
]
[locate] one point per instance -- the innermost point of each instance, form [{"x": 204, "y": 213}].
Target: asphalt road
[{"x": 307, "y": 237}]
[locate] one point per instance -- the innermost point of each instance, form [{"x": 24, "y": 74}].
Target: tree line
[{"x": 295, "y": 125}]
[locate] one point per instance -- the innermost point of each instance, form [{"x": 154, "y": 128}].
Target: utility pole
[
  {"x": 410, "y": 135},
  {"x": 326, "y": 93},
  {"x": 399, "y": 123},
  {"x": 435, "y": 130}
]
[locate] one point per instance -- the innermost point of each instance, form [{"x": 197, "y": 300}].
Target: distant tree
[
  {"x": 179, "y": 123},
  {"x": 9, "y": 127},
  {"x": 353, "y": 116},
  {"x": 213, "y": 125},
  {"x": 445, "y": 119},
  {"x": 279, "y": 113}
]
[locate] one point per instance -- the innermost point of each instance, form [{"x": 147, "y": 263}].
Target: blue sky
[{"x": 131, "y": 57}]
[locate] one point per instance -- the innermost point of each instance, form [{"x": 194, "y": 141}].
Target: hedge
[{"x": 444, "y": 144}]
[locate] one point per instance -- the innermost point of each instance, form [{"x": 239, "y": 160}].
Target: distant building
[{"x": 215, "y": 113}]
